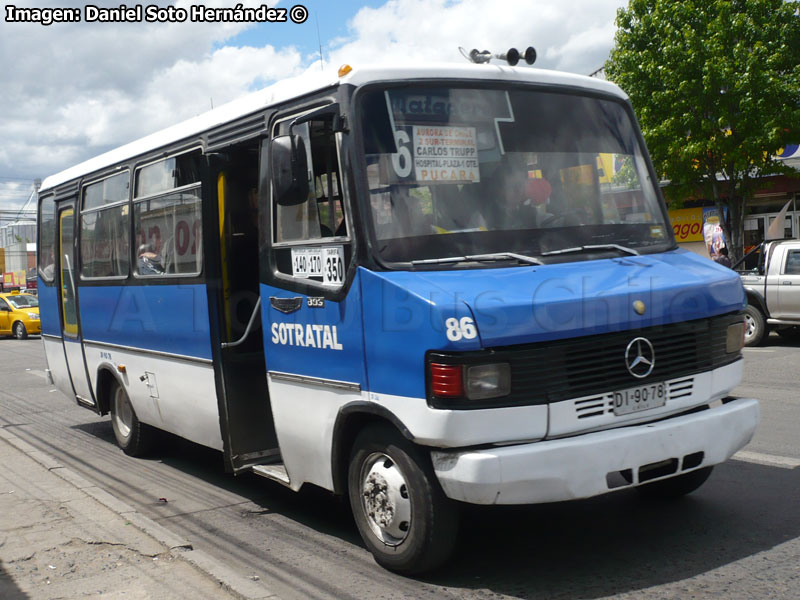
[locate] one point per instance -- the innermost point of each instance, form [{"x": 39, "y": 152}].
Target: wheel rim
[
  {"x": 749, "y": 327},
  {"x": 18, "y": 329},
  {"x": 385, "y": 499},
  {"x": 123, "y": 413}
]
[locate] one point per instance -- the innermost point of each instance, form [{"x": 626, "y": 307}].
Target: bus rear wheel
[
  {"x": 134, "y": 437},
  {"x": 402, "y": 514}
]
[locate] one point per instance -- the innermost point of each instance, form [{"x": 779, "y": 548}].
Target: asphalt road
[{"x": 736, "y": 537}]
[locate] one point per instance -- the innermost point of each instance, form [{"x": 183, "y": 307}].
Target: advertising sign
[
  {"x": 687, "y": 223},
  {"x": 698, "y": 225},
  {"x": 713, "y": 235}
]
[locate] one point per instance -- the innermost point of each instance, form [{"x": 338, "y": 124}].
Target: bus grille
[{"x": 559, "y": 370}]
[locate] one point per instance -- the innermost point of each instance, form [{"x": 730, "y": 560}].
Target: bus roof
[{"x": 314, "y": 81}]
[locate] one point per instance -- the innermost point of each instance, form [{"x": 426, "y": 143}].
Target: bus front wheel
[
  {"x": 135, "y": 438},
  {"x": 404, "y": 518}
]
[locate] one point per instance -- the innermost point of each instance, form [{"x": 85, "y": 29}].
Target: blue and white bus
[{"x": 418, "y": 286}]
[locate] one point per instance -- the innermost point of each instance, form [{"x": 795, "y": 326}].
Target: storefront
[
  {"x": 695, "y": 227},
  {"x": 698, "y": 229}
]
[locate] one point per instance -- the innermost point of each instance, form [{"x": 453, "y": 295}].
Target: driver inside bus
[{"x": 520, "y": 197}]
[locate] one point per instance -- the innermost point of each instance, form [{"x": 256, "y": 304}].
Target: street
[{"x": 738, "y": 536}]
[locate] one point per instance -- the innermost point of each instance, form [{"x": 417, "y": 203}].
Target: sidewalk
[{"x": 62, "y": 537}]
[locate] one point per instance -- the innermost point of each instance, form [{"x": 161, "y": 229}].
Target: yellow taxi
[{"x": 19, "y": 315}]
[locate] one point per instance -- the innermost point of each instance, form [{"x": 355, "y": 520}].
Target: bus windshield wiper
[
  {"x": 589, "y": 247},
  {"x": 479, "y": 258}
]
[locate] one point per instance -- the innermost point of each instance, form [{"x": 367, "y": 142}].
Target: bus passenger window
[
  {"x": 47, "y": 239},
  {"x": 105, "y": 226},
  {"x": 167, "y": 217}
]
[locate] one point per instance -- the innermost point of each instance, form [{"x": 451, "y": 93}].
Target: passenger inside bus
[{"x": 149, "y": 261}]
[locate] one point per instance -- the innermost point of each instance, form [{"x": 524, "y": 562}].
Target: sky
[{"x": 71, "y": 91}]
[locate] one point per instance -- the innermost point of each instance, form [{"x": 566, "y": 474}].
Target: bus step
[{"x": 275, "y": 472}]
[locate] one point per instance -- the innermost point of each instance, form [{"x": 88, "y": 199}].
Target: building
[{"x": 18, "y": 242}]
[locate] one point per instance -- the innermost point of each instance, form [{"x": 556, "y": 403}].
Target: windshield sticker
[
  {"x": 333, "y": 265},
  {"x": 443, "y": 135},
  {"x": 306, "y": 262},
  {"x": 445, "y": 154}
]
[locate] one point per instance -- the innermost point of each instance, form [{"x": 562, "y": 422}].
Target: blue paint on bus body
[
  {"x": 164, "y": 318},
  {"x": 406, "y": 313},
  {"x": 325, "y": 342},
  {"x": 48, "y": 308}
]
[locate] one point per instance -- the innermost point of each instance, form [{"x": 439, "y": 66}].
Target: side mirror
[
  {"x": 289, "y": 166},
  {"x": 5, "y": 308}
]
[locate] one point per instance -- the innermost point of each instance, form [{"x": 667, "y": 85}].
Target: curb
[{"x": 179, "y": 548}]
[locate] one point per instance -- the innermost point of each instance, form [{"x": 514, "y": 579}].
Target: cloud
[
  {"x": 568, "y": 34},
  {"x": 72, "y": 91}
]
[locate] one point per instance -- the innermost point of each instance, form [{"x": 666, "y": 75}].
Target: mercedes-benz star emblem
[{"x": 640, "y": 358}]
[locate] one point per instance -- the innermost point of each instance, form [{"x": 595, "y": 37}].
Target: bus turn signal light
[{"x": 447, "y": 381}]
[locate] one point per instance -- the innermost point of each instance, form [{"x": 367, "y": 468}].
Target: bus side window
[
  {"x": 105, "y": 226},
  {"x": 47, "y": 240},
  {"x": 327, "y": 180},
  {"x": 299, "y": 222},
  {"x": 167, "y": 217},
  {"x": 322, "y": 214},
  {"x": 321, "y": 221}
]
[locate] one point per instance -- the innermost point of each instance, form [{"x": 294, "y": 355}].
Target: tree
[{"x": 716, "y": 87}]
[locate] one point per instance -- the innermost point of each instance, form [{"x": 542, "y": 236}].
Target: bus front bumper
[{"x": 590, "y": 464}]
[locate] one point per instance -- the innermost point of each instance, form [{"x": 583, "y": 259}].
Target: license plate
[{"x": 637, "y": 399}]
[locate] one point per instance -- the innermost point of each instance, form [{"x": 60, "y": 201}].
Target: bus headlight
[{"x": 487, "y": 381}]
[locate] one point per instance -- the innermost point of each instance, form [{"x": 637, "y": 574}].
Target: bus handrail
[{"x": 247, "y": 330}]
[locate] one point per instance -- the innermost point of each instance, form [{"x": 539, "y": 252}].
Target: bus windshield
[{"x": 465, "y": 171}]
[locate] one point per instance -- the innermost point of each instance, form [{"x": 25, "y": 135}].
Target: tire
[
  {"x": 755, "y": 326},
  {"x": 675, "y": 487},
  {"x": 402, "y": 514},
  {"x": 20, "y": 331},
  {"x": 135, "y": 438}
]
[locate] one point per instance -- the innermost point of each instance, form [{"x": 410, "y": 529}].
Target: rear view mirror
[{"x": 289, "y": 166}]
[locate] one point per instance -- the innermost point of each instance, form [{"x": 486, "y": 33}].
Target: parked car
[
  {"x": 773, "y": 292},
  {"x": 19, "y": 315}
]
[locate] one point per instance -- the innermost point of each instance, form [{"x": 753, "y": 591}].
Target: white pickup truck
[{"x": 773, "y": 292}]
